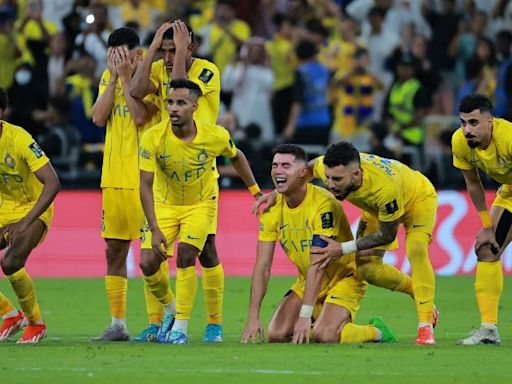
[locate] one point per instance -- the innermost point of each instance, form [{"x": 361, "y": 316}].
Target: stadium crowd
[{"x": 384, "y": 74}]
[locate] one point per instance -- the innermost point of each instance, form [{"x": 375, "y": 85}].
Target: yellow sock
[
  {"x": 376, "y": 272},
  {"x": 158, "y": 284},
  {"x": 186, "y": 288},
  {"x": 5, "y": 305},
  {"x": 116, "y": 288},
  {"x": 213, "y": 288},
  {"x": 488, "y": 288},
  {"x": 423, "y": 278},
  {"x": 23, "y": 287},
  {"x": 154, "y": 308},
  {"x": 353, "y": 333}
]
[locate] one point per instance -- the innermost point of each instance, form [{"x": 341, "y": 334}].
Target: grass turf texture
[{"x": 76, "y": 310}]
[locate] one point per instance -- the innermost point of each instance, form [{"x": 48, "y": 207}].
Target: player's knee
[
  {"x": 417, "y": 245},
  {"x": 485, "y": 254},
  {"x": 186, "y": 255},
  {"x": 208, "y": 257},
  {"x": 148, "y": 265},
  {"x": 368, "y": 271},
  {"x": 278, "y": 335},
  {"x": 326, "y": 334},
  {"x": 12, "y": 262}
]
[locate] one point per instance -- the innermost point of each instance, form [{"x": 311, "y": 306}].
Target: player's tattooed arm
[{"x": 386, "y": 234}]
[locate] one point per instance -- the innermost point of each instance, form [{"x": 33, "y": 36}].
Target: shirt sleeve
[
  {"x": 268, "y": 227},
  {"x": 327, "y": 219},
  {"x": 105, "y": 76},
  {"x": 227, "y": 146},
  {"x": 147, "y": 153},
  {"x": 390, "y": 203},
  {"x": 459, "y": 160},
  {"x": 319, "y": 169},
  {"x": 208, "y": 80},
  {"x": 31, "y": 152}
]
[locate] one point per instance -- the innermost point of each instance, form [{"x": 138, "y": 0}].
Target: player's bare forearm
[
  {"x": 260, "y": 276},
  {"x": 179, "y": 66},
  {"x": 102, "y": 108},
  {"x": 137, "y": 108},
  {"x": 141, "y": 85},
  {"x": 146, "y": 198},
  {"x": 385, "y": 235},
  {"x": 243, "y": 168},
  {"x": 313, "y": 283},
  {"x": 475, "y": 189},
  {"x": 51, "y": 186}
]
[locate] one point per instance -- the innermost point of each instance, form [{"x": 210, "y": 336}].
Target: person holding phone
[{"x": 326, "y": 298}]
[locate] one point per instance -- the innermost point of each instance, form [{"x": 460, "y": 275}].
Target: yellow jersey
[
  {"x": 122, "y": 138},
  {"x": 318, "y": 214},
  {"x": 202, "y": 72},
  {"x": 222, "y": 46},
  {"x": 282, "y": 61},
  {"x": 389, "y": 190},
  {"x": 184, "y": 171},
  {"x": 495, "y": 160},
  {"x": 20, "y": 157}
]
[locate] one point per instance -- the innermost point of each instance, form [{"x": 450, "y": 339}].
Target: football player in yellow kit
[
  {"x": 28, "y": 186},
  {"x": 125, "y": 118},
  {"x": 484, "y": 143},
  {"x": 177, "y": 157},
  {"x": 175, "y": 42},
  {"x": 330, "y": 296}
]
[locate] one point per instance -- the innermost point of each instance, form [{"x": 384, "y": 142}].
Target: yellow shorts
[
  {"x": 122, "y": 215},
  {"x": 422, "y": 218},
  {"x": 17, "y": 214},
  {"x": 504, "y": 198},
  {"x": 347, "y": 292},
  {"x": 190, "y": 223}
]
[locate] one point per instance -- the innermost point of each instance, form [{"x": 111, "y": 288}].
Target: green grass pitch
[{"x": 76, "y": 310}]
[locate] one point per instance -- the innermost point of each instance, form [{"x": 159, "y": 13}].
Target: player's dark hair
[
  {"x": 475, "y": 101},
  {"x": 124, "y": 36},
  {"x": 169, "y": 34},
  {"x": 306, "y": 50},
  {"x": 4, "y": 99},
  {"x": 342, "y": 153},
  {"x": 190, "y": 85},
  {"x": 292, "y": 149}
]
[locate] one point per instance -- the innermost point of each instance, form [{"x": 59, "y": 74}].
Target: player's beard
[{"x": 343, "y": 195}]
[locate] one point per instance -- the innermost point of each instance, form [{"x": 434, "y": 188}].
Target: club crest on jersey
[
  {"x": 327, "y": 220},
  {"x": 9, "y": 160},
  {"x": 36, "y": 150},
  {"x": 202, "y": 156},
  {"x": 206, "y": 75}
]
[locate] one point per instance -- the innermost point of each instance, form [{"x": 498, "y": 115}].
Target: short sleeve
[
  {"x": 147, "y": 153},
  {"x": 105, "y": 77},
  {"x": 31, "y": 152},
  {"x": 319, "y": 169},
  {"x": 458, "y": 149},
  {"x": 390, "y": 203},
  {"x": 327, "y": 219},
  {"x": 268, "y": 227},
  {"x": 227, "y": 146}
]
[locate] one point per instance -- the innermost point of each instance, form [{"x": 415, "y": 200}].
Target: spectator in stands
[
  {"x": 503, "y": 107},
  {"x": 406, "y": 104},
  {"x": 93, "y": 40},
  {"x": 310, "y": 119},
  {"x": 224, "y": 35},
  {"x": 250, "y": 80},
  {"x": 140, "y": 11},
  {"x": 8, "y": 47},
  {"x": 56, "y": 62},
  {"x": 376, "y": 140},
  {"x": 474, "y": 82}
]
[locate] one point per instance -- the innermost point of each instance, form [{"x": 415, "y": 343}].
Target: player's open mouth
[{"x": 280, "y": 180}]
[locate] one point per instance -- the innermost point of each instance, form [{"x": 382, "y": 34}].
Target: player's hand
[
  {"x": 301, "y": 330},
  {"x": 327, "y": 254},
  {"x": 181, "y": 36},
  {"x": 486, "y": 237},
  {"x": 111, "y": 63},
  {"x": 159, "y": 34},
  {"x": 288, "y": 131},
  {"x": 9, "y": 232},
  {"x": 159, "y": 243},
  {"x": 253, "y": 331},
  {"x": 269, "y": 199},
  {"x": 124, "y": 65}
]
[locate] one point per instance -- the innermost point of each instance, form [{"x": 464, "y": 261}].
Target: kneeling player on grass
[
  {"x": 330, "y": 297},
  {"x": 177, "y": 156},
  {"x": 28, "y": 185}
]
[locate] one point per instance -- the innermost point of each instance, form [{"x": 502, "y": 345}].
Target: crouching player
[
  {"x": 331, "y": 297},
  {"x": 28, "y": 185}
]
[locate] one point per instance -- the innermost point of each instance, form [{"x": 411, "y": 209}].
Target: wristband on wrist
[
  {"x": 254, "y": 189},
  {"x": 306, "y": 311},
  {"x": 486, "y": 219},
  {"x": 348, "y": 247}
]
